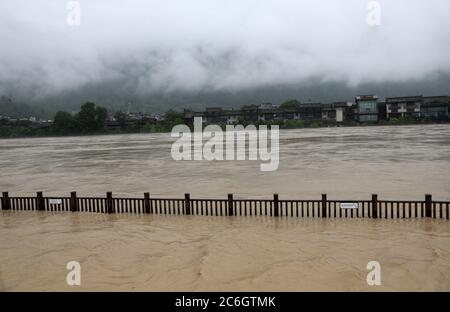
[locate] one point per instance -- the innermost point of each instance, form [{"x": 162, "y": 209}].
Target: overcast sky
[{"x": 192, "y": 45}]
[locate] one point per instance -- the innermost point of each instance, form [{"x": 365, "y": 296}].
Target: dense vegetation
[{"x": 91, "y": 119}]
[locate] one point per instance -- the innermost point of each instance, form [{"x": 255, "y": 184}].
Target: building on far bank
[
  {"x": 337, "y": 112},
  {"x": 406, "y": 106},
  {"x": 435, "y": 107},
  {"x": 366, "y": 108},
  {"x": 332, "y": 113},
  {"x": 310, "y": 111},
  {"x": 429, "y": 107}
]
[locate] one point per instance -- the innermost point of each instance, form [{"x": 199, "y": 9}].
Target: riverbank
[{"x": 12, "y": 132}]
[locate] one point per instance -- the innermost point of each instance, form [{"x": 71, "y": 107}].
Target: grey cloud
[{"x": 179, "y": 45}]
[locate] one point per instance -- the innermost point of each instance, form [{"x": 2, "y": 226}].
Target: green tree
[
  {"x": 101, "y": 114},
  {"x": 291, "y": 104},
  {"x": 91, "y": 117},
  {"x": 293, "y": 124},
  {"x": 172, "y": 118},
  {"x": 64, "y": 122}
]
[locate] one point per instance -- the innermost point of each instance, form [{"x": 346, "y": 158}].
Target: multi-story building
[
  {"x": 406, "y": 106},
  {"x": 431, "y": 107},
  {"x": 366, "y": 108},
  {"x": 310, "y": 111},
  {"x": 337, "y": 112},
  {"x": 250, "y": 113},
  {"x": 215, "y": 115},
  {"x": 435, "y": 107}
]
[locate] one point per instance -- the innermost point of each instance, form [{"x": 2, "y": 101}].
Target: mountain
[{"x": 122, "y": 95}]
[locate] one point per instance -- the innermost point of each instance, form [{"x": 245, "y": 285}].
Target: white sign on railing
[
  {"x": 55, "y": 201},
  {"x": 349, "y": 205}
]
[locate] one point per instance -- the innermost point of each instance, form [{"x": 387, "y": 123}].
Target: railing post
[
  {"x": 187, "y": 203},
  {"x": 428, "y": 204},
  {"x": 230, "y": 205},
  {"x": 275, "y": 205},
  {"x": 73, "y": 202},
  {"x": 40, "y": 206},
  {"x": 324, "y": 205},
  {"x": 109, "y": 202},
  {"x": 6, "y": 203},
  {"x": 147, "y": 202},
  {"x": 374, "y": 206}
]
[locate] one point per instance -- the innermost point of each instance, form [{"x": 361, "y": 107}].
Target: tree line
[{"x": 90, "y": 119}]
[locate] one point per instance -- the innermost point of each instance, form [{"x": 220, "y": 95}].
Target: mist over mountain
[
  {"x": 162, "y": 54},
  {"x": 120, "y": 96}
]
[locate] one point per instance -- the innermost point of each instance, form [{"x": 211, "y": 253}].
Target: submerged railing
[{"x": 276, "y": 207}]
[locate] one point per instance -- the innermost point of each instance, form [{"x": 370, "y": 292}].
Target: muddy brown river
[{"x": 183, "y": 253}]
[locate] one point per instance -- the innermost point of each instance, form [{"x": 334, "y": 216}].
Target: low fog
[{"x": 172, "y": 46}]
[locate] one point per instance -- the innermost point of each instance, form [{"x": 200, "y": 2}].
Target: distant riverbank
[{"x": 26, "y": 130}]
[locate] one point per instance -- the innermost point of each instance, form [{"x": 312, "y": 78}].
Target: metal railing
[{"x": 275, "y": 207}]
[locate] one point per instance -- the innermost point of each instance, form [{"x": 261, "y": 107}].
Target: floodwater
[{"x": 127, "y": 252}]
